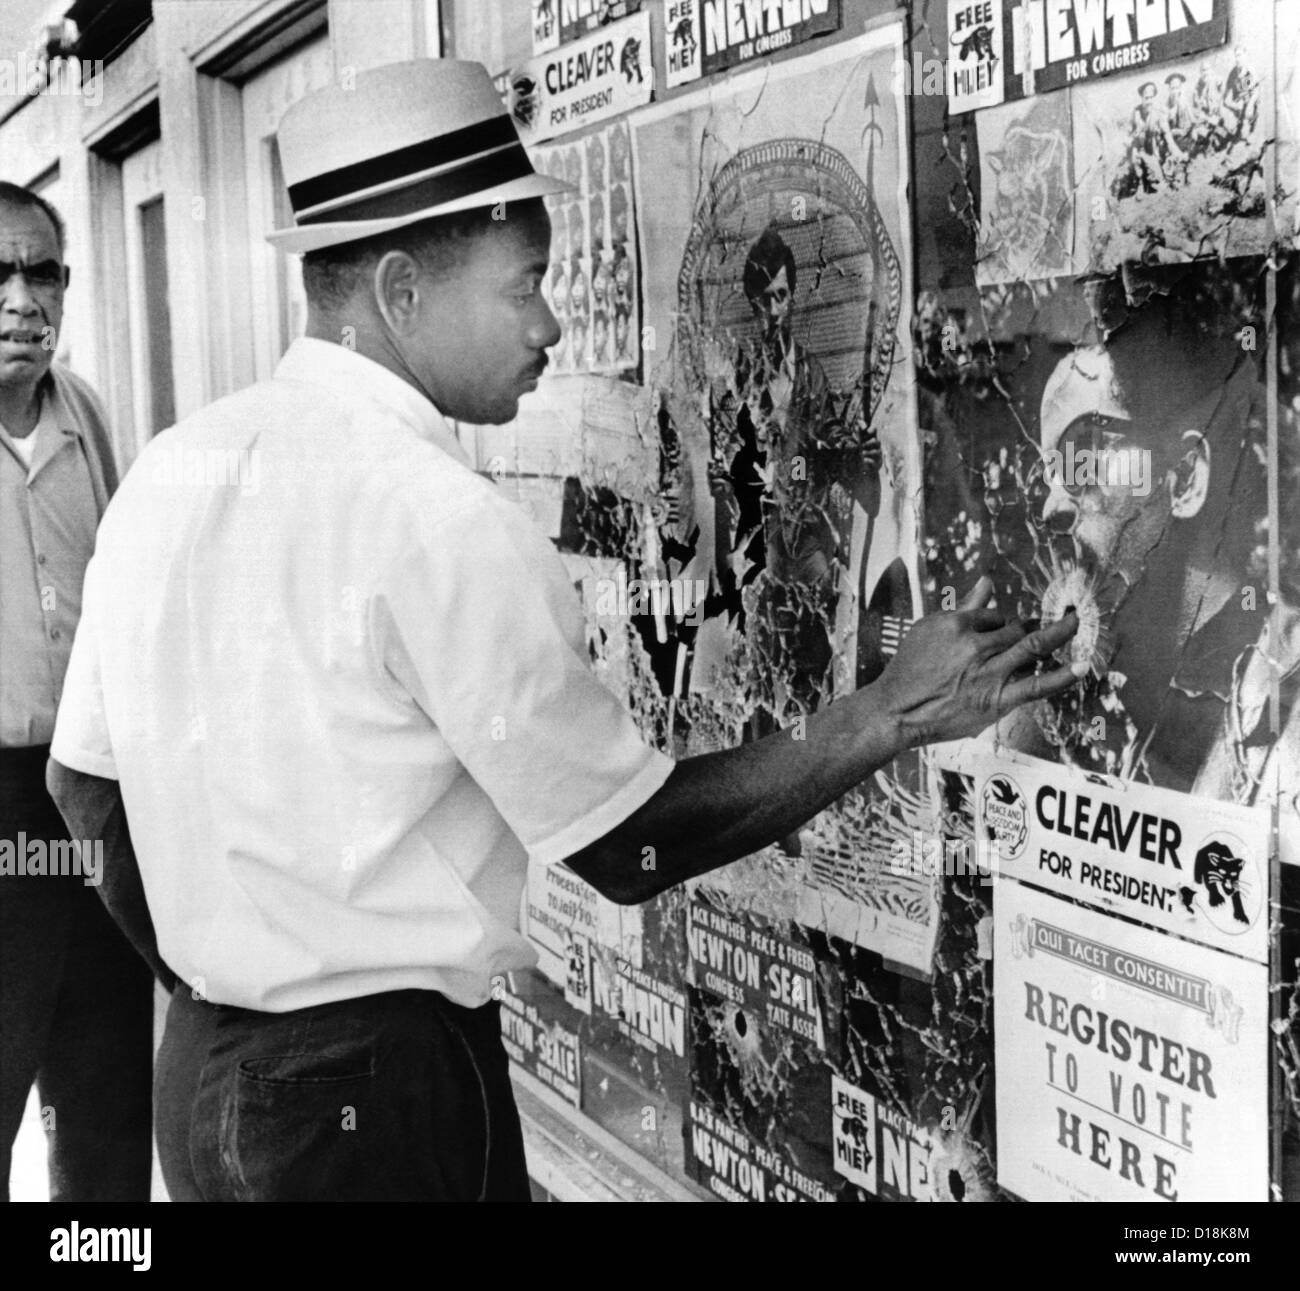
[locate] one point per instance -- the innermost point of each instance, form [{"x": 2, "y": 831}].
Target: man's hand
[
  {"x": 956, "y": 673},
  {"x": 92, "y": 808}
]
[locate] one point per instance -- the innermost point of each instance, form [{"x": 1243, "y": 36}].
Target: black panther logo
[
  {"x": 1218, "y": 871},
  {"x": 856, "y": 1129},
  {"x": 630, "y": 60},
  {"x": 684, "y": 38},
  {"x": 527, "y": 100},
  {"x": 979, "y": 43}
]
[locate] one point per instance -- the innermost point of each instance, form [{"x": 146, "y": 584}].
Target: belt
[{"x": 30, "y": 756}]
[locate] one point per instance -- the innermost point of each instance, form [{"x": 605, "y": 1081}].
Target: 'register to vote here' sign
[{"x": 1131, "y": 1066}]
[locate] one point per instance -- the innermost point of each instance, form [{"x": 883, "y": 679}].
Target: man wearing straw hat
[{"x": 345, "y": 698}]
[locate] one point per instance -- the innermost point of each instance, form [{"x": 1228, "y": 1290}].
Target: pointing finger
[
  {"x": 1042, "y": 685},
  {"x": 1041, "y": 644},
  {"x": 1006, "y": 635},
  {"x": 978, "y": 596},
  {"x": 985, "y": 622}
]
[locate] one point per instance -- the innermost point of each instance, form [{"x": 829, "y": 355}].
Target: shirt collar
[
  {"x": 54, "y": 427},
  {"x": 347, "y": 373}
]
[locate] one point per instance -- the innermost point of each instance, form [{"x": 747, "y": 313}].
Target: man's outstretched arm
[
  {"x": 954, "y": 675},
  {"x": 92, "y": 808}
]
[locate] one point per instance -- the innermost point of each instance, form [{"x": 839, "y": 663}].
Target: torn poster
[
  {"x": 682, "y": 42},
  {"x": 1171, "y": 166},
  {"x": 566, "y": 918},
  {"x": 1026, "y": 154},
  {"x": 541, "y": 1044},
  {"x": 879, "y": 1149},
  {"x": 582, "y": 428},
  {"x": 1182, "y": 864},
  {"x": 1126, "y": 479},
  {"x": 648, "y": 1010},
  {"x": 776, "y": 297},
  {"x": 702, "y": 37},
  {"x": 730, "y": 1164},
  {"x": 591, "y": 286},
  {"x": 1069, "y": 44},
  {"x": 771, "y": 977},
  {"x": 600, "y": 76},
  {"x": 546, "y": 26},
  {"x": 1130, "y": 1067},
  {"x": 976, "y": 56},
  {"x": 556, "y": 22}
]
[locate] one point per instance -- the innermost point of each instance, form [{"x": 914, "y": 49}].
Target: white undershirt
[{"x": 26, "y": 447}]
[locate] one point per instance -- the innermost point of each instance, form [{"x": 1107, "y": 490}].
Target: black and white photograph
[{"x": 648, "y": 602}]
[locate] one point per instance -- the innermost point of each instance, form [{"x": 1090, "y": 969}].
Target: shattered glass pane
[{"x": 1082, "y": 378}]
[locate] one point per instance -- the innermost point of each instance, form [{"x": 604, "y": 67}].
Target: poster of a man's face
[
  {"x": 598, "y": 223},
  {"x": 619, "y": 152},
  {"x": 602, "y": 284},
  {"x": 622, "y": 278},
  {"x": 578, "y": 297},
  {"x": 591, "y": 233},
  {"x": 1140, "y": 506},
  {"x": 596, "y": 162},
  {"x": 600, "y": 338},
  {"x": 775, "y": 283},
  {"x": 618, "y": 213},
  {"x": 769, "y": 281},
  {"x": 578, "y": 341},
  {"x": 577, "y": 224}
]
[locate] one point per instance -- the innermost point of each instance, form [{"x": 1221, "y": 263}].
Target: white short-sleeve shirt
[{"x": 344, "y": 685}]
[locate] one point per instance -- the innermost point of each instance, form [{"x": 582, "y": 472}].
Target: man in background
[{"x": 75, "y": 1000}]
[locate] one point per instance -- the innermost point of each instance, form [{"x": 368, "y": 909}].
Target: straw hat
[{"x": 405, "y": 143}]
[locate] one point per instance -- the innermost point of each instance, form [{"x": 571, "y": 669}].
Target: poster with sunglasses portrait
[
  {"x": 591, "y": 286},
  {"x": 1107, "y": 453}
]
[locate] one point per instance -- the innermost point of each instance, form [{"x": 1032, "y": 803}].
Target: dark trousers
[
  {"x": 401, "y": 1096},
  {"x": 76, "y": 1013}
]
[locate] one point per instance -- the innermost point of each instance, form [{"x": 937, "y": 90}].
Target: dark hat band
[
  {"x": 473, "y": 177},
  {"x": 444, "y": 151}
]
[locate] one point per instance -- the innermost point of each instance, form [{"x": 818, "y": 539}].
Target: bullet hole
[
  {"x": 741, "y": 1024},
  {"x": 956, "y": 1185}
]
